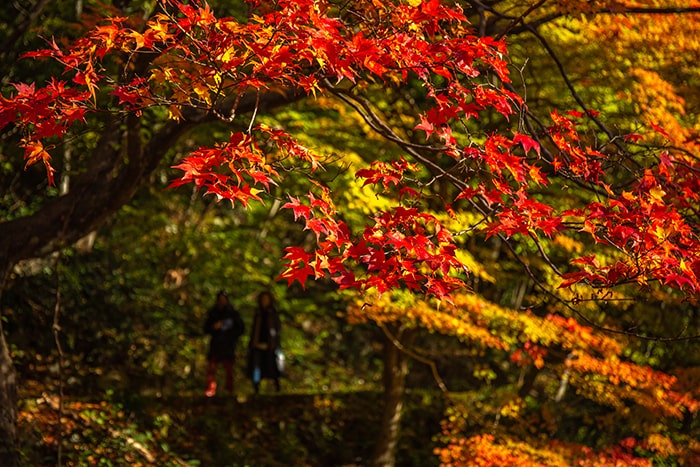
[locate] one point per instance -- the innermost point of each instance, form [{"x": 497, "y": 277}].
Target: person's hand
[
  {"x": 217, "y": 325},
  {"x": 262, "y": 346}
]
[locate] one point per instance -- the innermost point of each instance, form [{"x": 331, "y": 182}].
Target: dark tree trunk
[
  {"x": 9, "y": 454},
  {"x": 528, "y": 381},
  {"x": 394, "y": 378}
]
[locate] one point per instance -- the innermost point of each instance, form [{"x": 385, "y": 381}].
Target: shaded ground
[{"x": 330, "y": 429}]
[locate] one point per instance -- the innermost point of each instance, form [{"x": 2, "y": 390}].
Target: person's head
[
  {"x": 265, "y": 299},
  {"x": 222, "y": 298}
]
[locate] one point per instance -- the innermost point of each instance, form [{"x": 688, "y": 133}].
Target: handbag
[{"x": 280, "y": 361}]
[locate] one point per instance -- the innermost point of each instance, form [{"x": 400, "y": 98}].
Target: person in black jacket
[
  {"x": 264, "y": 346},
  {"x": 225, "y": 326}
]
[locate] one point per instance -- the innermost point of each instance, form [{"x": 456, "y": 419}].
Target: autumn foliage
[
  {"x": 565, "y": 354},
  {"x": 196, "y": 60},
  {"x": 635, "y": 207}
]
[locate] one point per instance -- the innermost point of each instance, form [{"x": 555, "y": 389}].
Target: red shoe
[{"x": 211, "y": 390}]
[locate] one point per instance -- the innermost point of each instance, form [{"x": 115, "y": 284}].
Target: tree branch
[
  {"x": 363, "y": 107},
  {"x": 433, "y": 367},
  {"x": 519, "y": 19},
  {"x": 109, "y": 182},
  {"x": 513, "y": 29}
]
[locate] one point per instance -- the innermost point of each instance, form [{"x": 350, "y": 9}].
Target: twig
[
  {"x": 365, "y": 110},
  {"x": 433, "y": 368},
  {"x": 255, "y": 111},
  {"x": 519, "y": 19}
]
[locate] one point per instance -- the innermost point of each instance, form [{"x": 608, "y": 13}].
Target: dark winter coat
[
  {"x": 264, "y": 343},
  {"x": 223, "y": 342}
]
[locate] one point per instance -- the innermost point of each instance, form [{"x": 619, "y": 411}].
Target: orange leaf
[{"x": 34, "y": 152}]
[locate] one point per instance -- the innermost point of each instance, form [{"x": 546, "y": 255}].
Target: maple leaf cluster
[
  {"x": 594, "y": 363},
  {"x": 185, "y": 57},
  {"x": 403, "y": 248},
  {"x": 196, "y": 60}
]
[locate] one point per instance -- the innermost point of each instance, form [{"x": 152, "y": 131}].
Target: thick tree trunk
[
  {"x": 8, "y": 406},
  {"x": 395, "y": 370},
  {"x": 9, "y": 454}
]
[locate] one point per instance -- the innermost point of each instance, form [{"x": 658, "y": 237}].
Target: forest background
[{"x": 105, "y": 332}]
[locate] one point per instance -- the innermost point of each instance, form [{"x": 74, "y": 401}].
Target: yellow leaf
[
  {"x": 660, "y": 233},
  {"x": 174, "y": 113},
  {"x": 202, "y": 91},
  {"x": 138, "y": 37},
  {"x": 657, "y": 194}
]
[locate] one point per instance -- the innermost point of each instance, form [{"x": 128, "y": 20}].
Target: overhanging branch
[{"x": 109, "y": 182}]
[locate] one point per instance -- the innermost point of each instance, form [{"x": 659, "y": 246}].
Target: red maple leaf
[
  {"x": 299, "y": 210},
  {"x": 659, "y": 130},
  {"x": 297, "y": 273},
  {"x": 426, "y": 126},
  {"x": 527, "y": 143}
]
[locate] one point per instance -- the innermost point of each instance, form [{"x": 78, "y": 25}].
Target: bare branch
[
  {"x": 520, "y": 19},
  {"x": 433, "y": 367}
]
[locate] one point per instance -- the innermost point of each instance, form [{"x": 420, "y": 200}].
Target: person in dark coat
[
  {"x": 264, "y": 345},
  {"x": 225, "y": 326}
]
